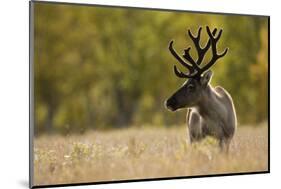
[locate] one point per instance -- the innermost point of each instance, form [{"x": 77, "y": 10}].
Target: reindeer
[{"x": 211, "y": 110}]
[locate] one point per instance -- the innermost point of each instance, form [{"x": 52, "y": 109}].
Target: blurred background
[{"x": 105, "y": 68}]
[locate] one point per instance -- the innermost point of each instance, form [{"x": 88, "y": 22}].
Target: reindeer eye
[{"x": 190, "y": 87}]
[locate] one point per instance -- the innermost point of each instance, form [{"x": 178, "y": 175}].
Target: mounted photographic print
[{"x": 120, "y": 94}]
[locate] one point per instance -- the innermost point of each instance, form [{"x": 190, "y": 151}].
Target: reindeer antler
[
  {"x": 194, "y": 69},
  {"x": 175, "y": 54},
  {"x": 216, "y": 56}
]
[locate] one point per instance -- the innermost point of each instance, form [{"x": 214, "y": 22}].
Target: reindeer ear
[{"x": 206, "y": 78}]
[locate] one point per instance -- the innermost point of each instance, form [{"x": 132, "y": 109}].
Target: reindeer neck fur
[{"x": 210, "y": 106}]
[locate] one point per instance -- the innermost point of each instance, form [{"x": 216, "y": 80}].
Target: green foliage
[{"x": 98, "y": 67}]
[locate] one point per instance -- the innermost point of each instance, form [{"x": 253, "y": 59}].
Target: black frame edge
[
  {"x": 151, "y": 179},
  {"x": 268, "y": 90}
]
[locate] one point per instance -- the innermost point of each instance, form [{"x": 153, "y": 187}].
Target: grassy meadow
[{"x": 138, "y": 153}]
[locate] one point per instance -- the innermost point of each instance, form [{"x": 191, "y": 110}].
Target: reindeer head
[{"x": 189, "y": 95}]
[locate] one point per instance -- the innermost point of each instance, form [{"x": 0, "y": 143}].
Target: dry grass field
[{"x": 138, "y": 153}]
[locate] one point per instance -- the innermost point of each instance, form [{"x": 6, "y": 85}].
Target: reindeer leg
[
  {"x": 227, "y": 144},
  {"x": 224, "y": 145},
  {"x": 194, "y": 126}
]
